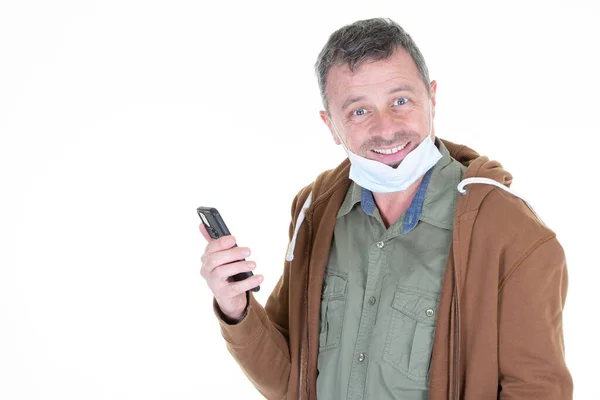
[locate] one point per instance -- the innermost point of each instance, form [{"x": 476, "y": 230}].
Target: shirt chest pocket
[
  {"x": 410, "y": 336},
  {"x": 333, "y": 306}
]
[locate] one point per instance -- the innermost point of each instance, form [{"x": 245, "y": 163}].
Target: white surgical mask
[{"x": 381, "y": 178}]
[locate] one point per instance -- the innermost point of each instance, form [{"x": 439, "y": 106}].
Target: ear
[
  {"x": 433, "y": 86},
  {"x": 327, "y": 121}
]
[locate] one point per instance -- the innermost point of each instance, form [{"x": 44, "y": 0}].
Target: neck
[{"x": 392, "y": 205}]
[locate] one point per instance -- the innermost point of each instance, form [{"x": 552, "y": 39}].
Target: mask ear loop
[
  {"x": 430, "y": 118},
  {"x": 337, "y": 134}
]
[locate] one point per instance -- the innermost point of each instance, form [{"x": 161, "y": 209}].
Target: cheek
[
  {"x": 414, "y": 121},
  {"x": 356, "y": 138}
]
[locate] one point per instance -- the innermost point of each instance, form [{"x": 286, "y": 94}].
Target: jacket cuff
[{"x": 240, "y": 332}]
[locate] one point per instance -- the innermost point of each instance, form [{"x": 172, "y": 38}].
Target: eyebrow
[
  {"x": 402, "y": 88},
  {"x": 351, "y": 100},
  {"x": 354, "y": 99}
]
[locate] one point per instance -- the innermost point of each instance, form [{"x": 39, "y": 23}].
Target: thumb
[{"x": 204, "y": 233}]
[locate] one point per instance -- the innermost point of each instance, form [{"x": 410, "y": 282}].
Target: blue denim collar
[{"x": 413, "y": 213}]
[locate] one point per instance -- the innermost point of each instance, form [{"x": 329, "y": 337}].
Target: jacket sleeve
[
  {"x": 260, "y": 341},
  {"x": 531, "y": 345}
]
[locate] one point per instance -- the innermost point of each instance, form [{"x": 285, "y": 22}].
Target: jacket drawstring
[
  {"x": 462, "y": 190},
  {"x": 290, "y": 253}
]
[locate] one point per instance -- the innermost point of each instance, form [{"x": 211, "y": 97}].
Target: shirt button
[
  {"x": 372, "y": 300},
  {"x": 361, "y": 357},
  {"x": 429, "y": 312},
  {"x": 380, "y": 245}
]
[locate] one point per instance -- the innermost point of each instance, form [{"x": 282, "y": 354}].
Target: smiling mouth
[{"x": 391, "y": 151}]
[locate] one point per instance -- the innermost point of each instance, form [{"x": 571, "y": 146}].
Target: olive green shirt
[{"x": 381, "y": 291}]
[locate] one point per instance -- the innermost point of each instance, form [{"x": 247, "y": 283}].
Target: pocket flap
[
  {"x": 334, "y": 284},
  {"x": 419, "y": 306}
]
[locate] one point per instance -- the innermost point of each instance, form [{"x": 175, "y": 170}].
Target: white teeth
[{"x": 390, "y": 151}]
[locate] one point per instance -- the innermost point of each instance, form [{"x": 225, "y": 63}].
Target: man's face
[{"x": 381, "y": 111}]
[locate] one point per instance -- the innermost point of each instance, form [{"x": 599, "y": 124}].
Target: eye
[
  {"x": 359, "y": 112},
  {"x": 400, "y": 101}
]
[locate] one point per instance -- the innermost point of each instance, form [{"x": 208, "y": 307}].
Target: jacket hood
[
  {"x": 482, "y": 176},
  {"x": 478, "y": 165}
]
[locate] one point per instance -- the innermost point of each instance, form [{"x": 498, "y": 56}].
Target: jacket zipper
[
  {"x": 302, "y": 342},
  {"x": 456, "y": 337},
  {"x": 305, "y": 352},
  {"x": 300, "y": 378}
]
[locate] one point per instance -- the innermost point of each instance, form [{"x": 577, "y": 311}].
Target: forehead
[{"x": 398, "y": 68}]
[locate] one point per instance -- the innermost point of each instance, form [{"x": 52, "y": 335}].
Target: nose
[{"x": 385, "y": 124}]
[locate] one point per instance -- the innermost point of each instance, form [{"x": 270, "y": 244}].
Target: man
[{"x": 413, "y": 271}]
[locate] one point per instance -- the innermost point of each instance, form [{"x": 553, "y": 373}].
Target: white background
[{"x": 119, "y": 118}]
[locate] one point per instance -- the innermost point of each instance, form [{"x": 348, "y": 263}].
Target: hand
[{"x": 219, "y": 262}]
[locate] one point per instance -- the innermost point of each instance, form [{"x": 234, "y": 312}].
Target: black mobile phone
[{"x": 216, "y": 228}]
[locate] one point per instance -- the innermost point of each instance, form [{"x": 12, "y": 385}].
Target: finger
[
  {"x": 225, "y": 271},
  {"x": 204, "y": 233},
  {"x": 214, "y": 260},
  {"x": 224, "y": 242},
  {"x": 220, "y": 244},
  {"x": 239, "y": 287}
]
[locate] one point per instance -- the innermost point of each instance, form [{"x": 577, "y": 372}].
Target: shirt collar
[{"x": 440, "y": 200}]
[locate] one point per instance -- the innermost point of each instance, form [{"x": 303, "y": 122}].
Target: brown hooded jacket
[{"x": 499, "y": 330}]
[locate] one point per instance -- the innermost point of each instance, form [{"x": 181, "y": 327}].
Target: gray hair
[{"x": 371, "y": 39}]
